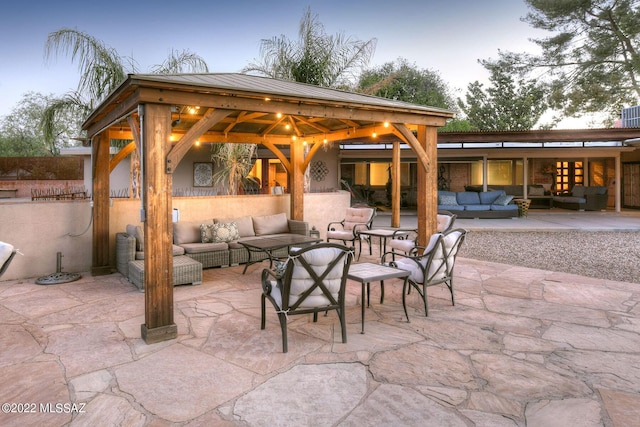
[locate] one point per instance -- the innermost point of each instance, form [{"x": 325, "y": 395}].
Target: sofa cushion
[
  {"x": 197, "y": 248},
  {"x": 175, "y": 251},
  {"x": 503, "y": 200},
  {"x": 447, "y": 198},
  {"x": 468, "y": 198},
  {"x": 244, "y": 223},
  {"x": 188, "y": 231},
  {"x": 137, "y": 232},
  {"x": 596, "y": 190},
  {"x": 578, "y": 191},
  {"x": 535, "y": 190},
  {"x": 219, "y": 232},
  {"x": 489, "y": 197},
  {"x": 477, "y": 207},
  {"x": 270, "y": 224}
]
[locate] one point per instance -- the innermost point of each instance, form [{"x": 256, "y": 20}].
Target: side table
[
  {"x": 523, "y": 206},
  {"x": 368, "y": 272}
]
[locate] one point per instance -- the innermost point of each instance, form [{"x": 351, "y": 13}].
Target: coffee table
[
  {"x": 271, "y": 244},
  {"x": 383, "y": 234},
  {"x": 368, "y": 272}
]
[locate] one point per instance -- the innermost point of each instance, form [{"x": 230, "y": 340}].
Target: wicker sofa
[
  {"x": 211, "y": 242},
  {"x": 583, "y": 198}
]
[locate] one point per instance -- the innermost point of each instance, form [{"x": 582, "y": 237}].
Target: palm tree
[
  {"x": 102, "y": 69},
  {"x": 316, "y": 58},
  {"x": 234, "y": 162}
]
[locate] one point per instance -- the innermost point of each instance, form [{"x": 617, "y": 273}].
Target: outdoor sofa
[
  {"x": 583, "y": 198},
  {"x": 474, "y": 204},
  {"x": 210, "y": 242},
  {"x": 539, "y": 196}
]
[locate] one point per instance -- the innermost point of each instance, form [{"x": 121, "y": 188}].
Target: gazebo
[{"x": 285, "y": 117}]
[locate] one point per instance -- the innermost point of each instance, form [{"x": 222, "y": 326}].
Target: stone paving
[{"x": 521, "y": 347}]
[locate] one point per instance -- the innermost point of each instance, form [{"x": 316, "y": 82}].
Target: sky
[{"x": 448, "y": 37}]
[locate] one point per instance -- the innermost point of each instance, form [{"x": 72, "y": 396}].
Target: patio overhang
[{"x": 164, "y": 115}]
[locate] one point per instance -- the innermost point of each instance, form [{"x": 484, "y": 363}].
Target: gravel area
[{"x": 613, "y": 255}]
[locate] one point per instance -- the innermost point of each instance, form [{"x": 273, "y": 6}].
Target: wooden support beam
[
  {"x": 395, "y": 182},
  {"x": 296, "y": 179},
  {"x": 100, "y": 255},
  {"x": 427, "y": 138},
  {"x": 178, "y": 151},
  {"x": 158, "y": 229}
]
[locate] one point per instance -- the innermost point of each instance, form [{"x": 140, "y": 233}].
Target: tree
[
  {"x": 505, "y": 105},
  {"x": 404, "y": 82},
  {"x": 21, "y": 130},
  {"x": 234, "y": 162},
  {"x": 316, "y": 58},
  {"x": 591, "y": 59},
  {"x": 102, "y": 69}
]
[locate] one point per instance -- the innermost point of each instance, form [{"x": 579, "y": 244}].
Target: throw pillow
[
  {"x": 219, "y": 232},
  {"x": 503, "y": 200},
  {"x": 446, "y": 199}
]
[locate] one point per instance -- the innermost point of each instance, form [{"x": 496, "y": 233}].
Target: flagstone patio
[{"x": 521, "y": 347}]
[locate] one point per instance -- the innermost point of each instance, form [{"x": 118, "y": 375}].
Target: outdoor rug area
[{"x": 521, "y": 347}]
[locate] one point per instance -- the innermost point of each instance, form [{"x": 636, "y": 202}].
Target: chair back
[
  {"x": 441, "y": 260},
  {"x": 445, "y": 220},
  {"x": 315, "y": 276},
  {"x": 355, "y": 216},
  {"x": 7, "y": 252}
]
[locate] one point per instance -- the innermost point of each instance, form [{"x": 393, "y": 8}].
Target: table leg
[
  {"x": 362, "y": 304},
  {"x": 404, "y": 297}
]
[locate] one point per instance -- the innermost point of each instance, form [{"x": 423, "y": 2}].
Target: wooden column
[
  {"x": 158, "y": 229},
  {"x": 100, "y": 255},
  {"x": 395, "y": 189},
  {"x": 427, "y": 184},
  {"x": 296, "y": 179}
]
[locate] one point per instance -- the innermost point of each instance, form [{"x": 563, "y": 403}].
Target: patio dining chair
[
  {"x": 432, "y": 265},
  {"x": 7, "y": 252},
  {"x": 356, "y": 219},
  {"x": 313, "y": 281},
  {"x": 406, "y": 244}
]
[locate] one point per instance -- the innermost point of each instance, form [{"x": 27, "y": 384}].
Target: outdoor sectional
[
  {"x": 583, "y": 198},
  {"x": 473, "y": 204},
  {"x": 219, "y": 247}
]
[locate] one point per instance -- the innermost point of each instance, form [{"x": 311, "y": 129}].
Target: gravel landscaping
[{"x": 613, "y": 255}]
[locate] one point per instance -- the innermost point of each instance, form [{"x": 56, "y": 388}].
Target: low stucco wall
[{"x": 42, "y": 229}]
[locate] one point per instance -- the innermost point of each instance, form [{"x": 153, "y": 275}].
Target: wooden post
[
  {"x": 100, "y": 255},
  {"x": 395, "y": 189},
  {"x": 158, "y": 229},
  {"x": 427, "y": 184},
  {"x": 296, "y": 179}
]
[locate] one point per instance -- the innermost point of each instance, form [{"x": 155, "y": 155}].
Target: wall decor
[
  {"x": 202, "y": 174},
  {"x": 319, "y": 170}
]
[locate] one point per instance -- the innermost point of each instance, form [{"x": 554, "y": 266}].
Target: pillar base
[
  {"x": 161, "y": 333},
  {"x": 101, "y": 271}
]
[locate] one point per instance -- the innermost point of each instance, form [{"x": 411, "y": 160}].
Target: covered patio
[
  {"x": 521, "y": 347},
  {"x": 235, "y": 108}
]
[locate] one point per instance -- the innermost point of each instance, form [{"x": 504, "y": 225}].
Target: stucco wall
[{"x": 42, "y": 229}]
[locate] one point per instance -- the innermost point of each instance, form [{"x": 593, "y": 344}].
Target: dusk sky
[{"x": 443, "y": 36}]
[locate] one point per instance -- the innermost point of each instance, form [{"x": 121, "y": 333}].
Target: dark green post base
[{"x": 162, "y": 333}]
